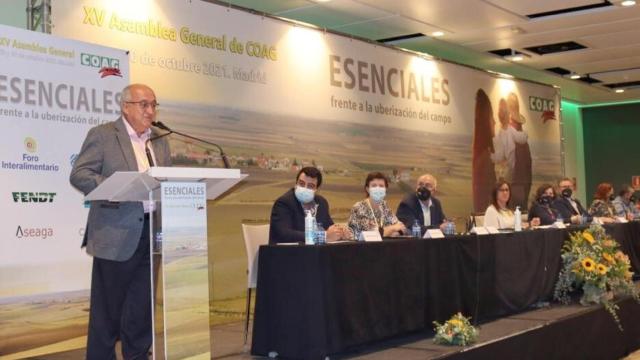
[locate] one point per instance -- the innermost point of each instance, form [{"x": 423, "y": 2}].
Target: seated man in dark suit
[
  {"x": 422, "y": 205},
  {"x": 568, "y": 207},
  {"x": 287, "y": 214}
]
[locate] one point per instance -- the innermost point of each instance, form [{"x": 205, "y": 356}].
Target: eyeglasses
[
  {"x": 308, "y": 185},
  {"x": 504, "y": 189},
  {"x": 145, "y": 104}
]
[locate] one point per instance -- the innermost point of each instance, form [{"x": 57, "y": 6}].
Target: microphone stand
[
  {"x": 162, "y": 126},
  {"x": 148, "y": 151}
]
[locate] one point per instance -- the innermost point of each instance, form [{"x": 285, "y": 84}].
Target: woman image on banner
[{"x": 483, "y": 176}]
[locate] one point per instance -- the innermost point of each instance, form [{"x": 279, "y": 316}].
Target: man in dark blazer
[
  {"x": 288, "y": 212},
  {"x": 117, "y": 233},
  {"x": 567, "y": 207},
  {"x": 416, "y": 205}
]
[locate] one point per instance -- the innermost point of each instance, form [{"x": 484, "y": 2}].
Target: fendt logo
[
  {"x": 108, "y": 66},
  {"x": 33, "y": 197}
]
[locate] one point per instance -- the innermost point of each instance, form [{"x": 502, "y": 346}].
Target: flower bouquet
[
  {"x": 592, "y": 262},
  {"x": 456, "y": 331}
]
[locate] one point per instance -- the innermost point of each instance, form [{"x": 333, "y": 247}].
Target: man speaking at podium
[{"x": 117, "y": 233}]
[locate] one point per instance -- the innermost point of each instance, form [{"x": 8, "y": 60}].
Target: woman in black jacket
[{"x": 541, "y": 207}]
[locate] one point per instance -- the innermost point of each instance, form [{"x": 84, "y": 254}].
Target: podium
[{"x": 179, "y": 265}]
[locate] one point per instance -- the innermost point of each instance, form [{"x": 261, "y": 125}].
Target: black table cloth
[{"x": 313, "y": 301}]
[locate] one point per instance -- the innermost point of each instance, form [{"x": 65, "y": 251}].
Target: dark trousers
[{"x": 121, "y": 305}]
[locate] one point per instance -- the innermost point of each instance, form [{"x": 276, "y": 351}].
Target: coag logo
[
  {"x": 546, "y": 106},
  {"x": 108, "y": 66},
  {"x": 30, "y": 144},
  {"x": 33, "y": 197},
  {"x": 105, "y": 71},
  {"x": 33, "y": 233},
  {"x": 98, "y": 61}
]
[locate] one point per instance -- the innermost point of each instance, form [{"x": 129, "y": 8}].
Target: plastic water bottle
[
  {"x": 416, "y": 229},
  {"x": 157, "y": 243},
  {"x": 450, "y": 228},
  {"x": 320, "y": 234},
  {"x": 309, "y": 228},
  {"x": 518, "y": 219}
]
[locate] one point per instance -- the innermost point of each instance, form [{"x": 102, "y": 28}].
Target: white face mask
[
  {"x": 304, "y": 195},
  {"x": 377, "y": 193}
]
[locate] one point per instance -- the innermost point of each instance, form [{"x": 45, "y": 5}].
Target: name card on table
[
  {"x": 479, "y": 230},
  {"x": 433, "y": 234},
  {"x": 492, "y": 230},
  {"x": 559, "y": 225},
  {"x": 371, "y": 235}
]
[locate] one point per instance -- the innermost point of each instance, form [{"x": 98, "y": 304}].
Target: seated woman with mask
[
  {"x": 601, "y": 208},
  {"x": 498, "y": 214},
  {"x": 373, "y": 213},
  {"x": 541, "y": 207}
]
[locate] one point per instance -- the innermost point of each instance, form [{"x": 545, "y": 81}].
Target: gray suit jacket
[{"x": 113, "y": 228}]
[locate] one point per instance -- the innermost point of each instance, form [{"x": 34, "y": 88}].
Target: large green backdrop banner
[{"x": 278, "y": 96}]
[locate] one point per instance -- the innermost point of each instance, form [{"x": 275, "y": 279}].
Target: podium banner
[{"x": 185, "y": 304}]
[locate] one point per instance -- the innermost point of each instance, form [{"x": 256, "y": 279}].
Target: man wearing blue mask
[{"x": 288, "y": 212}]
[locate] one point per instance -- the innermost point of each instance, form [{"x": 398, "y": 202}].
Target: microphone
[
  {"x": 148, "y": 151},
  {"x": 162, "y": 126}
]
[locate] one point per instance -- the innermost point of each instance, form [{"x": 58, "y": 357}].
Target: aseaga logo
[
  {"x": 32, "y": 233},
  {"x": 108, "y": 66},
  {"x": 33, "y": 197}
]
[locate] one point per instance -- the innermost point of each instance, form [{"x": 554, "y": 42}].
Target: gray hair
[
  {"x": 126, "y": 93},
  {"x": 428, "y": 176}
]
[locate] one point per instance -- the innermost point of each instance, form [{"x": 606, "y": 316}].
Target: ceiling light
[
  {"x": 619, "y": 91},
  {"x": 502, "y": 75},
  {"x": 517, "y": 57},
  {"x": 437, "y": 33},
  {"x": 514, "y": 56},
  {"x": 628, "y": 3},
  {"x": 517, "y": 30}
]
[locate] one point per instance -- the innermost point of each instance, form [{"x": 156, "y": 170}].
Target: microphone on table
[{"x": 162, "y": 126}]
